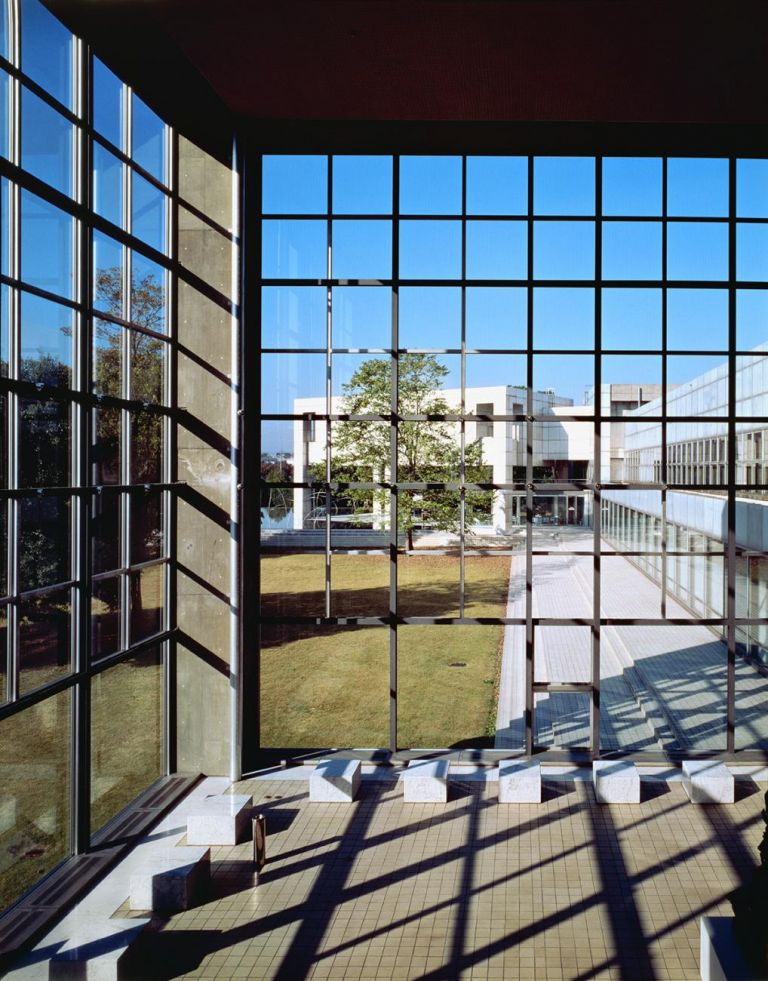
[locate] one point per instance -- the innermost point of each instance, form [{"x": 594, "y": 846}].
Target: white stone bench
[
  {"x": 170, "y": 879},
  {"x": 708, "y": 782},
  {"x": 219, "y": 819},
  {"x": 616, "y": 782},
  {"x": 95, "y": 950},
  {"x": 519, "y": 782},
  {"x": 720, "y": 956},
  {"x": 335, "y": 781},
  {"x": 426, "y": 782}
]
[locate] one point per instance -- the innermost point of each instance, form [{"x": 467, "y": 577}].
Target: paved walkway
[{"x": 662, "y": 687}]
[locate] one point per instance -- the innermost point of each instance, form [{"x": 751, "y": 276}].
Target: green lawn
[{"x": 329, "y": 686}]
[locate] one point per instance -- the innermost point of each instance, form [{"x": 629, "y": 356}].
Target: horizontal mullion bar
[
  {"x": 94, "y": 489},
  {"x": 97, "y": 314},
  {"x": 563, "y": 686}
]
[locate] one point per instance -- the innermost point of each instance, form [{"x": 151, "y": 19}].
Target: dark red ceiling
[{"x": 461, "y": 60}]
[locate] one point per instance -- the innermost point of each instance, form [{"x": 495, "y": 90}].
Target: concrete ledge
[
  {"x": 335, "y": 781},
  {"x": 616, "y": 782},
  {"x": 519, "y": 782},
  {"x": 426, "y": 782},
  {"x": 97, "y": 950},
  {"x": 171, "y": 879},
  {"x": 720, "y": 957},
  {"x": 708, "y": 782},
  {"x": 219, "y": 820}
]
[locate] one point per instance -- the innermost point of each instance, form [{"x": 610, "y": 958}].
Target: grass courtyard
[{"x": 329, "y": 685}]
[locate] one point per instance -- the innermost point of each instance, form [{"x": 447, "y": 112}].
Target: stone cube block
[
  {"x": 708, "y": 782},
  {"x": 96, "y": 950},
  {"x": 519, "y": 782},
  {"x": 616, "y": 782},
  {"x": 426, "y": 782},
  {"x": 335, "y": 781},
  {"x": 219, "y": 820},
  {"x": 171, "y": 879}
]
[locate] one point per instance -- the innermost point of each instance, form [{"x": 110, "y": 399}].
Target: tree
[{"x": 427, "y": 452}]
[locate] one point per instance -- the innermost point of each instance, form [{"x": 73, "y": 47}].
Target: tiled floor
[{"x": 384, "y": 889}]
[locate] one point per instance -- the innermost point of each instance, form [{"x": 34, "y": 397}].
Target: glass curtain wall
[
  {"x": 86, "y": 327},
  {"x": 513, "y": 415}
]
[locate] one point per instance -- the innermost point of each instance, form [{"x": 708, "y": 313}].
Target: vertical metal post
[
  {"x": 393, "y": 436},
  {"x": 731, "y": 507},
  {"x": 328, "y": 384},
  {"x": 529, "y": 434},
  {"x": 463, "y": 388},
  {"x": 664, "y": 457},
  {"x": 597, "y": 451}
]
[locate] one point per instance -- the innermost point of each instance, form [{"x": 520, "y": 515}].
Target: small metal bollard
[{"x": 259, "y": 824}]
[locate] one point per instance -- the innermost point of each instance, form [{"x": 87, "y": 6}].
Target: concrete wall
[{"x": 205, "y": 602}]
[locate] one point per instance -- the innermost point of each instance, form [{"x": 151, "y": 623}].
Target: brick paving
[{"x": 382, "y": 889}]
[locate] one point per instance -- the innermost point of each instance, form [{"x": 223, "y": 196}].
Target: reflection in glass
[
  {"x": 46, "y": 246},
  {"x": 107, "y": 185},
  {"x": 146, "y": 448},
  {"x": 361, "y": 185},
  {"x": 148, "y": 294},
  {"x": 44, "y": 639},
  {"x": 430, "y": 249},
  {"x": 105, "y": 616},
  {"x": 294, "y": 184},
  {"x": 497, "y": 185},
  {"x": 430, "y": 185},
  {"x": 44, "y": 443},
  {"x": 108, "y": 290},
  {"x": 147, "y": 591},
  {"x": 497, "y": 249},
  {"x": 46, "y": 142},
  {"x": 564, "y": 250},
  {"x": 295, "y": 316},
  {"x": 294, "y": 249},
  {"x": 46, "y": 342},
  {"x": 306, "y": 674},
  {"x": 105, "y": 532},
  {"x": 148, "y": 146},
  {"x": 44, "y": 541},
  {"x": 107, "y": 442},
  {"x": 146, "y": 526},
  {"x": 35, "y": 775},
  {"x": 126, "y": 733},
  {"x": 46, "y": 51},
  {"x": 107, "y": 358},
  {"x": 361, "y": 249},
  {"x": 147, "y": 367}
]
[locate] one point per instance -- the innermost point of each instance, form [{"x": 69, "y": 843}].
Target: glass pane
[
  {"x": 35, "y": 773},
  {"x": 295, "y": 316},
  {"x": 107, "y": 103},
  {"x": 561, "y": 719},
  {"x": 46, "y": 342},
  {"x": 430, "y": 249},
  {"x": 698, "y": 386},
  {"x": 562, "y": 655},
  {"x": 751, "y": 318},
  {"x": 430, "y": 185},
  {"x": 44, "y": 441},
  {"x": 44, "y": 541},
  {"x": 361, "y": 382},
  {"x": 359, "y": 583},
  {"x": 632, "y": 250},
  {"x": 293, "y": 383},
  {"x": 148, "y": 213},
  {"x": 493, "y": 374},
  {"x": 306, "y": 674},
  {"x": 486, "y": 577},
  {"x": 497, "y": 250},
  {"x": 496, "y": 317},
  {"x": 146, "y": 448},
  {"x": 564, "y": 250},
  {"x": 147, "y": 588},
  {"x": 146, "y": 526},
  {"x": 562, "y": 380},
  {"x": 429, "y": 317},
  {"x": 108, "y": 185},
  {"x": 751, "y": 385},
  {"x": 696, "y": 454},
  {"x": 446, "y": 690},
  {"x": 105, "y": 532},
  {"x": 631, "y": 319},
  {"x": 631, "y": 520},
  {"x": 362, "y": 185},
  {"x": 564, "y": 318},
  {"x": 46, "y": 51},
  {"x": 105, "y": 616},
  {"x": 5, "y": 109},
  {"x": 362, "y": 249},
  {"x": 360, "y": 452},
  {"x": 751, "y": 688},
  {"x": 294, "y": 185},
  {"x": 148, "y": 294},
  {"x": 554, "y": 577},
  {"x": 46, "y": 246},
  {"x": 148, "y": 140},
  {"x": 126, "y": 733},
  {"x": 697, "y": 319},
  {"x": 697, "y": 250},
  {"x": 107, "y": 441},
  {"x": 632, "y": 186},
  {"x": 107, "y": 358},
  {"x": 46, "y": 143},
  {"x": 631, "y": 587},
  {"x": 752, "y": 188},
  {"x": 362, "y": 317},
  {"x": 108, "y": 275},
  {"x": 44, "y": 639},
  {"x": 497, "y": 185},
  {"x": 294, "y": 584},
  {"x": 752, "y": 253},
  {"x": 3, "y": 646},
  {"x": 697, "y": 188},
  {"x": 563, "y": 451},
  {"x": 294, "y": 249},
  {"x": 147, "y": 367},
  {"x": 428, "y": 583},
  {"x": 564, "y": 186}
]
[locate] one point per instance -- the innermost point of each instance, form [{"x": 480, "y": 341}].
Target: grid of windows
[
  {"x": 86, "y": 330},
  {"x": 465, "y": 359}
]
